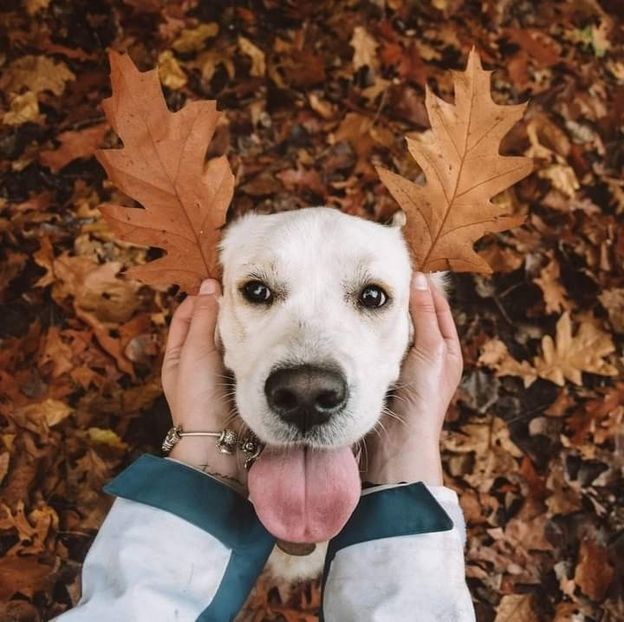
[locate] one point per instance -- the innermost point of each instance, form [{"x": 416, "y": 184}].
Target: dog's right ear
[{"x": 399, "y": 219}]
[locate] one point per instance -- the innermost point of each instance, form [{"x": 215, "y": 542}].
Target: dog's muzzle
[{"x": 305, "y": 395}]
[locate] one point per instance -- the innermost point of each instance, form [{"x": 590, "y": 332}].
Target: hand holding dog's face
[
  {"x": 407, "y": 449},
  {"x": 195, "y": 384}
]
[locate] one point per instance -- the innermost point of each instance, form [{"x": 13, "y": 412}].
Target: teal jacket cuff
[
  {"x": 198, "y": 498},
  {"x": 388, "y": 513},
  {"x": 391, "y": 512},
  {"x": 212, "y": 506}
]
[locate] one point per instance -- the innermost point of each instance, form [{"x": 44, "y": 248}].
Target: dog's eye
[
  {"x": 257, "y": 292},
  {"x": 373, "y": 297}
]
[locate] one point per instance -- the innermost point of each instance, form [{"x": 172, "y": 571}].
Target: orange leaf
[
  {"x": 162, "y": 167},
  {"x": 25, "y": 575},
  {"x": 73, "y": 145},
  {"x": 593, "y": 572},
  {"x": 464, "y": 171}
]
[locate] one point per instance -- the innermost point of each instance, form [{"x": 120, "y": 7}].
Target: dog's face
[{"x": 314, "y": 322}]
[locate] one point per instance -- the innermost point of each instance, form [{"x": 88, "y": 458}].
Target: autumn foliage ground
[{"x": 316, "y": 94}]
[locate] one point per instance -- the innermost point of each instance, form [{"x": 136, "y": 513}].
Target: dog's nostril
[
  {"x": 328, "y": 399},
  {"x": 283, "y": 398},
  {"x": 306, "y": 395}
]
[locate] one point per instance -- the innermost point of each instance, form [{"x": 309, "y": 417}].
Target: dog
[{"x": 314, "y": 323}]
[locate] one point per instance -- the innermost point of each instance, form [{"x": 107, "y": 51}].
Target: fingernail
[
  {"x": 419, "y": 281},
  {"x": 208, "y": 287}
]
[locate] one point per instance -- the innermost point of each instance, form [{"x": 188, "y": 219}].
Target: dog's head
[{"x": 314, "y": 322}]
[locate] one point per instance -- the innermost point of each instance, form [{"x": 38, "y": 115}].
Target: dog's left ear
[{"x": 399, "y": 218}]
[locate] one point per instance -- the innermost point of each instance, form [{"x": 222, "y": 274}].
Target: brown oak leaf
[
  {"x": 554, "y": 292},
  {"x": 565, "y": 357},
  {"x": 494, "y": 354},
  {"x": 161, "y": 165},
  {"x": 464, "y": 171}
]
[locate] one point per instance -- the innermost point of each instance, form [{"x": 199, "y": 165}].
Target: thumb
[{"x": 205, "y": 312}]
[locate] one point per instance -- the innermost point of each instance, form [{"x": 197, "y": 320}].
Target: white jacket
[{"x": 180, "y": 546}]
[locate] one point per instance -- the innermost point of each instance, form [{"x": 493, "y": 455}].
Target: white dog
[{"x": 315, "y": 323}]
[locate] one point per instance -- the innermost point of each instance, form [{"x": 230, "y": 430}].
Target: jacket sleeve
[
  {"x": 399, "y": 557},
  {"x": 177, "y": 545}
]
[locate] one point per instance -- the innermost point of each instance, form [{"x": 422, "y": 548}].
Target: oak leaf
[
  {"x": 495, "y": 355},
  {"x": 365, "y": 46},
  {"x": 464, "y": 171},
  {"x": 563, "y": 358},
  {"x": 161, "y": 165},
  {"x": 550, "y": 284},
  {"x": 567, "y": 356}
]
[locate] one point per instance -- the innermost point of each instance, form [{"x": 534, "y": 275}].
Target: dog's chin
[
  {"x": 334, "y": 434},
  {"x": 317, "y": 437}
]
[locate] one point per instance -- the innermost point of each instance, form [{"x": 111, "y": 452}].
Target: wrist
[
  {"x": 419, "y": 462},
  {"x": 202, "y": 453}
]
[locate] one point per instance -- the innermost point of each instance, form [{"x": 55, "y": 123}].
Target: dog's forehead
[{"x": 312, "y": 237}]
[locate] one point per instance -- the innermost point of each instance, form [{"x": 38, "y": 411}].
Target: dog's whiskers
[
  {"x": 390, "y": 413},
  {"x": 398, "y": 398},
  {"x": 362, "y": 450},
  {"x": 383, "y": 429}
]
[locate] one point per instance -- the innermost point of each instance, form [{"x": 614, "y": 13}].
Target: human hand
[
  {"x": 194, "y": 382},
  {"x": 407, "y": 447}
]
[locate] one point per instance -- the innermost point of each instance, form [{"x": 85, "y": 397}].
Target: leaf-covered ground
[{"x": 316, "y": 93}]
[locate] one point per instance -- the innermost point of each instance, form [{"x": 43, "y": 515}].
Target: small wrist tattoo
[{"x": 228, "y": 478}]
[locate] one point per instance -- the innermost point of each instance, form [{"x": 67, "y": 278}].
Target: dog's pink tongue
[{"x": 304, "y": 495}]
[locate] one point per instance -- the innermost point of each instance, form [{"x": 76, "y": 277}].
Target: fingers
[
  {"x": 201, "y": 333},
  {"x": 446, "y": 323},
  {"x": 423, "y": 312},
  {"x": 180, "y": 324},
  {"x": 448, "y": 329}
]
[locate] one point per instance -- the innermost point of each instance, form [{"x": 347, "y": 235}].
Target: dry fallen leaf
[
  {"x": 464, "y": 171},
  {"x": 258, "y": 62},
  {"x": 74, "y": 145},
  {"x": 495, "y": 355},
  {"x": 24, "y": 108},
  {"x": 162, "y": 166},
  {"x": 554, "y": 292},
  {"x": 613, "y": 301},
  {"x": 37, "y": 73},
  {"x": 192, "y": 40},
  {"x": 49, "y": 412},
  {"x": 565, "y": 357},
  {"x": 365, "y": 47},
  {"x": 516, "y": 608},
  {"x": 169, "y": 71},
  {"x": 593, "y": 573},
  {"x": 25, "y": 575}
]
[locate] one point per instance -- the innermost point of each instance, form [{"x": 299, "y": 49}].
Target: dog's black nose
[{"x": 306, "y": 395}]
